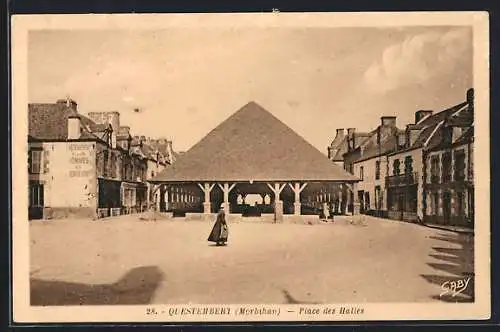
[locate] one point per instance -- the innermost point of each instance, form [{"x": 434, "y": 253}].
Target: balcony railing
[{"x": 406, "y": 179}]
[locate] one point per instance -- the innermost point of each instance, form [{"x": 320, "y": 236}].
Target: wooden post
[
  {"x": 297, "y": 189},
  {"x": 206, "y": 188},
  {"x": 278, "y": 204},
  {"x": 340, "y": 209},
  {"x": 226, "y": 188}
]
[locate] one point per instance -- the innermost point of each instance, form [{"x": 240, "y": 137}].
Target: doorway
[
  {"x": 446, "y": 207},
  {"x": 36, "y": 201},
  {"x": 361, "y": 194}
]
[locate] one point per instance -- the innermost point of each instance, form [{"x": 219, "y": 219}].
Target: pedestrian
[
  {"x": 220, "y": 230},
  {"x": 326, "y": 211}
]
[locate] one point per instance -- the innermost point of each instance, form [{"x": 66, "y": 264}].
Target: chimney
[
  {"x": 401, "y": 140},
  {"x": 388, "y": 121},
  {"x": 412, "y": 134},
  {"x": 170, "y": 151},
  {"x": 470, "y": 99},
  {"x": 113, "y": 118},
  {"x": 124, "y": 130},
  {"x": 70, "y": 103},
  {"x": 340, "y": 134},
  {"x": 350, "y": 138},
  {"x": 74, "y": 126},
  {"x": 419, "y": 115}
]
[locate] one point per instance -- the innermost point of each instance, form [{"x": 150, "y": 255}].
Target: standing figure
[
  {"x": 219, "y": 232},
  {"x": 326, "y": 211}
]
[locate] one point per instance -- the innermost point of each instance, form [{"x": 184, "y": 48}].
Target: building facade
[
  {"x": 449, "y": 177},
  {"x": 369, "y": 162},
  {"x": 423, "y": 173},
  {"x": 83, "y": 166}
]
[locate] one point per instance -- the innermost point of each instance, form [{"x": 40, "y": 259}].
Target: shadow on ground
[
  {"x": 454, "y": 268},
  {"x": 289, "y": 299},
  {"x": 136, "y": 287}
]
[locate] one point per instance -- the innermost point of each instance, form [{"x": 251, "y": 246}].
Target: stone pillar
[
  {"x": 356, "y": 204},
  {"x": 166, "y": 197},
  {"x": 348, "y": 200},
  {"x": 339, "y": 205}
]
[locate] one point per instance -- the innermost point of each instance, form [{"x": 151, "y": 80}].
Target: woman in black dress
[{"x": 219, "y": 232}]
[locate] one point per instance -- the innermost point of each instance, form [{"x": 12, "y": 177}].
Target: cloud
[{"x": 418, "y": 59}]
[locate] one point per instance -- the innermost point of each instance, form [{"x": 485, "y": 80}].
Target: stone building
[
  {"x": 423, "y": 173},
  {"x": 368, "y": 161},
  {"x": 342, "y": 143},
  {"x": 82, "y": 166},
  {"x": 448, "y": 192}
]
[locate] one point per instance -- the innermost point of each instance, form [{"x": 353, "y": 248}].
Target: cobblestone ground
[{"x": 128, "y": 261}]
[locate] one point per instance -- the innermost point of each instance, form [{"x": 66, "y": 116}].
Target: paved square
[{"x": 128, "y": 261}]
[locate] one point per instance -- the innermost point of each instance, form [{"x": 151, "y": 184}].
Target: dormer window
[{"x": 447, "y": 135}]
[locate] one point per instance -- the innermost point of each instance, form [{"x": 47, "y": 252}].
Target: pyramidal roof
[{"x": 253, "y": 145}]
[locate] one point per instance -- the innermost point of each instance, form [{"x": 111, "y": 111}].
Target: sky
[{"x": 186, "y": 81}]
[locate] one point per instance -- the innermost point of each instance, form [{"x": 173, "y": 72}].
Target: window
[
  {"x": 408, "y": 165},
  {"x": 377, "y": 169},
  {"x": 36, "y": 161},
  {"x": 435, "y": 169},
  {"x": 459, "y": 165},
  {"x": 152, "y": 174},
  {"x": 395, "y": 167},
  {"x": 361, "y": 171},
  {"x": 446, "y": 163},
  {"x": 36, "y": 194}
]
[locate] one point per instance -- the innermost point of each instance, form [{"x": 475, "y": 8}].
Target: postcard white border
[{"x": 21, "y": 24}]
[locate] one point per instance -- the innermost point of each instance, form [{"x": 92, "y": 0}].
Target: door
[
  {"x": 361, "y": 194},
  {"x": 367, "y": 201},
  {"x": 36, "y": 198},
  {"x": 378, "y": 201},
  {"x": 446, "y": 207},
  {"x": 401, "y": 205}
]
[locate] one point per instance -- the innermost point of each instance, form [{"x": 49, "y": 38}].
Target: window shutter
[
  {"x": 45, "y": 161},
  {"x": 30, "y": 160}
]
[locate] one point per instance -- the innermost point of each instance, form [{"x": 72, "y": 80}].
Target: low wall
[
  {"x": 192, "y": 216},
  {"x": 264, "y": 218},
  {"x": 307, "y": 219},
  {"x": 69, "y": 212}
]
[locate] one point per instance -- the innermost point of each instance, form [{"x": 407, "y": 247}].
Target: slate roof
[
  {"x": 252, "y": 144},
  {"x": 342, "y": 146},
  {"x": 50, "y": 122},
  {"x": 370, "y": 147},
  {"x": 431, "y": 128}
]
